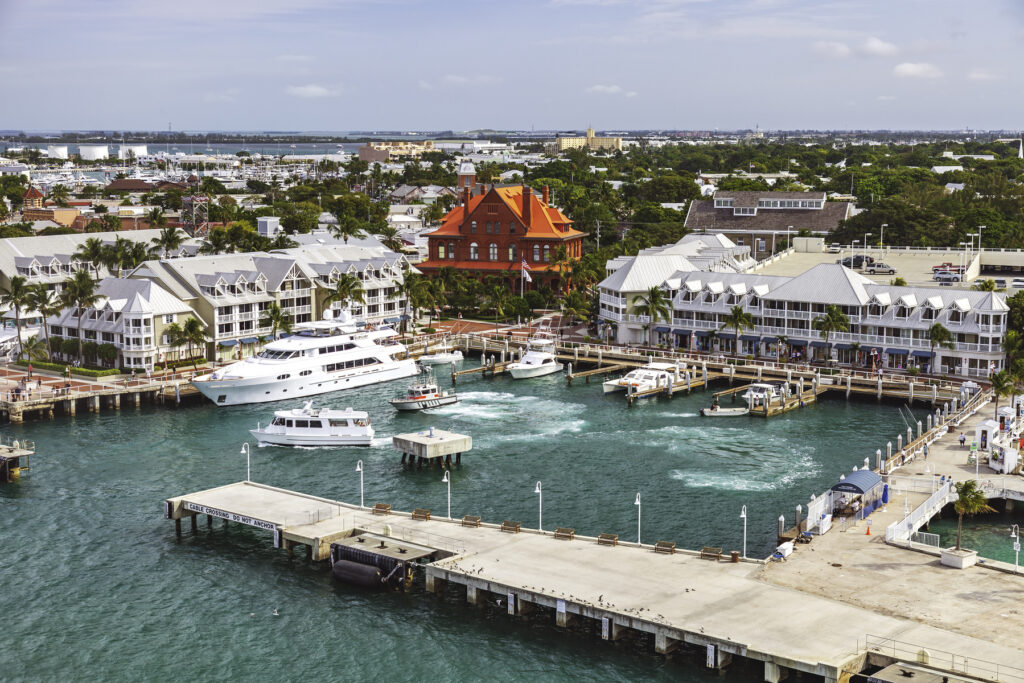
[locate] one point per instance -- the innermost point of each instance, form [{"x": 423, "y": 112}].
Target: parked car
[
  {"x": 1017, "y": 283},
  {"x": 835, "y": 248},
  {"x": 1000, "y": 283},
  {"x": 946, "y": 276},
  {"x": 879, "y": 267},
  {"x": 856, "y": 262},
  {"x": 948, "y": 267}
]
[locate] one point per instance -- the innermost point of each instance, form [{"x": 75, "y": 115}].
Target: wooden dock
[
  {"x": 43, "y": 402},
  {"x": 675, "y": 597}
]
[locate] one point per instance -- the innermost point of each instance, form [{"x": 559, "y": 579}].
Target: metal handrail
[{"x": 957, "y": 663}]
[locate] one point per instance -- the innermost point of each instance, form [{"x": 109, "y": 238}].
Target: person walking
[
  {"x": 925, "y": 451},
  {"x": 963, "y": 439}
]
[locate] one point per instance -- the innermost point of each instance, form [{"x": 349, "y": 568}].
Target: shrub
[{"x": 61, "y": 368}]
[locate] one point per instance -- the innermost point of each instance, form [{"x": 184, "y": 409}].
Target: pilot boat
[
  {"x": 424, "y": 394},
  {"x": 309, "y": 426}
]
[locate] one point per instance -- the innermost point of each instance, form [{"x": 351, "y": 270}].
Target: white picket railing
[{"x": 903, "y": 530}]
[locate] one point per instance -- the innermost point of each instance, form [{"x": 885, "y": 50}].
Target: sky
[{"x": 334, "y": 65}]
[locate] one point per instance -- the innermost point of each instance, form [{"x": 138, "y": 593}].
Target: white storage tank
[
  {"x": 57, "y": 151},
  {"x": 134, "y": 150},
  {"x": 93, "y": 152}
]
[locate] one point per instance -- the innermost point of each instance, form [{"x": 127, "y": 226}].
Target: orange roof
[
  {"x": 32, "y": 193},
  {"x": 543, "y": 219},
  {"x": 484, "y": 265}
]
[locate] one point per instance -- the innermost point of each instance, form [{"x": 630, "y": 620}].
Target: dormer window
[
  {"x": 744, "y": 211},
  {"x": 876, "y": 310},
  {"x": 903, "y": 312}
]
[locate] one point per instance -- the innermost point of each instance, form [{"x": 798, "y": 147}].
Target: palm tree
[
  {"x": 193, "y": 333},
  {"x": 653, "y": 304},
  {"x": 855, "y": 347},
  {"x": 175, "y": 338},
  {"x": 984, "y": 286},
  {"x": 44, "y": 300},
  {"x": 562, "y": 262},
  {"x": 938, "y": 336},
  {"x": 17, "y": 296},
  {"x": 216, "y": 242},
  {"x": 59, "y": 194},
  {"x": 1013, "y": 346},
  {"x": 80, "y": 292},
  {"x": 155, "y": 217},
  {"x": 834, "y": 320},
  {"x": 575, "y": 306},
  {"x": 111, "y": 222},
  {"x": 35, "y": 349},
  {"x": 168, "y": 240},
  {"x": 496, "y": 299},
  {"x": 783, "y": 340},
  {"x": 970, "y": 500},
  {"x": 739, "y": 320},
  {"x": 275, "y": 317},
  {"x": 415, "y": 289},
  {"x": 390, "y": 238},
  {"x": 92, "y": 251},
  {"x": 1002, "y": 385},
  {"x": 348, "y": 227},
  {"x": 347, "y": 288}
]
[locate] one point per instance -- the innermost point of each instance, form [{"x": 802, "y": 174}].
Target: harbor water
[{"x": 98, "y": 586}]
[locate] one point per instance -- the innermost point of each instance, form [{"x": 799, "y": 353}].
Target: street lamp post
[
  {"x": 980, "y": 228},
  {"x": 743, "y": 516},
  {"x": 540, "y": 507},
  {"x": 248, "y": 469},
  {"x": 881, "y": 237},
  {"x": 1015, "y": 535},
  {"x": 864, "y": 263},
  {"x": 359, "y": 469},
  {"x": 638, "y": 507},
  {"x": 447, "y": 480}
]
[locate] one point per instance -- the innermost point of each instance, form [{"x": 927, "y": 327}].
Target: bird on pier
[{"x": 276, "y": 614}]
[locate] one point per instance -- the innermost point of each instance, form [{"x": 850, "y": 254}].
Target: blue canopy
[
  {"x": 818, "y": 344},
  {"x": 684, "y": 333},
  {"x": 392, "y": 320},
  {"x": 250, "y": 340},
  {"x": 750, "y": 338},
  {"x": 842, "y": 346},
  {"x": 921, "y": 354},
  {"x": 661, "y": 328},
  {"x": 797, "y": 342},
  {"x": 860, "y": 481},
  {"x": 702, "y": 333},
  {"x": 228, "y": 342},
  {"x": 769, "y": 340},
  {"x": 896, "y": 352}
]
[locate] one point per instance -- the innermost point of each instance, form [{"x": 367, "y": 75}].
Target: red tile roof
[
  {"x": 32, "y": 193},
  {"x": 545, "y": 221}
]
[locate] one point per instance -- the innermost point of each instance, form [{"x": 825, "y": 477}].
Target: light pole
[
  {"x": 963, "y": 256},
  {"x": 853, "y": 253},
  {"x": 447, "y": 480},
  {"x": 743, "y": 516},
  {"x": 980, "y": 228},
  {"x": 245, "y": 451},
  {"x": 540, "y": 507},
  {"x": 638, "y": 508},
  {"x": 864, "y": 263},
  {"x": 1015, "y": 535},
  {"x": 359, "y": 469},
  {"x": 881, "y": 237}
]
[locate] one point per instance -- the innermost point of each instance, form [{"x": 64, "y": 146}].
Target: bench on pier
[
  {"x": 382, "y": 509},
  {"x": 608, "y": 539},
  {"x": 511, "y": 527},
  {"x": 565, "y": 534},
  {"x": 709, "y": 553},
  {"x": 471, "y": 520},
  {"x": 667, "y": 547},
  {"x": 420, "y": 513}
]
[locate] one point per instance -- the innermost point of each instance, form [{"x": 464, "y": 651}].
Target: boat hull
[
  {"x": 311, "y": 439},
  {"x": 725, "y": 412},
  {"x": 441, "y": 359},
  {"x": 423, "y": 403},
  {"x": 528, "y": 371},
  {"x": 231, "y": 392}
]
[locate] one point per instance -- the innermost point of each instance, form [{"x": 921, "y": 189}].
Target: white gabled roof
[
  {"x": 935, "y": 302},
  {"x": 738, "y": 288},
  {"x": 693, "y": 285},
  {"x": 882, "y": 298},
  {"x": 716, "y": 287},
  {"x": 962, "y": 304},
  {"x": 908, "y": 300},
  {"x": 844, "y": 287},
  {"x": 760, "y": 290},
  {"x": 673, "y": 282}
]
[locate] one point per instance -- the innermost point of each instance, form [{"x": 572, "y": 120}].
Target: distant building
[
  {"x": 57, "y": 151},
  {"x": 132, "y": 151},
  {"x": 93, "y": 152},
  {"x": 33, "y": 198},
  {"x": 761, "y": 220},
  {"x": 390, "y": 149},
  {"x": 588, "y": 141}
]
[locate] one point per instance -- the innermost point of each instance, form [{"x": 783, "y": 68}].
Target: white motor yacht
[
  {"x": 441, "y": 355},
  {"x": 308, "y": 426},
  {"x": 540, "y": 358},
  {"x": 764, "y": 393},
  {"x": 424, "y": 394},
  {"x": 328, "y": 355},
  {"x": 651, "y": 376}
]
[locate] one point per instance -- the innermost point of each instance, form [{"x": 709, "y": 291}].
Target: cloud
[
  {"x": 312, "y": 90},
  {"x": 294, "y": 58},
  {"x": 983, "y": 75},
  {"x": 916, "y": 70},
  {"x": 424, "y": 85},
  {"x": 878, "y": 47},
  {"x": 886, "y": 98},
  {"x": 228, "y": 95},
  {"x": 830, "y": 49},
  {"x": 483, "y": 79},
  {"x": 610, "y": 90}
]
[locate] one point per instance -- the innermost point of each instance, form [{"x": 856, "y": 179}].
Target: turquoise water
[
  {"x": 97, "y": 585},
  {"x": 988, "y": 534}
]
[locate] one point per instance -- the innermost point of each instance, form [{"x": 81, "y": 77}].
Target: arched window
[
  {"x": 493, "y": 251},
  {"x": 451, "y": 250},
  {"x": 547, "y": 253},
  {"x": 474, "y": 252},
  {"x": 536, "y": 253},
  {"x": 512, "y": 228},
  {"x": 472, "y": 226},
  {"x": 488, "y": 227},
  {"x": 440, "y": 250},
  {"x": 512, "y": 252}
]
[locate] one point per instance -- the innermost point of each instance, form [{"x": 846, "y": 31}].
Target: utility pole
[{"x": 598, "y": 234}]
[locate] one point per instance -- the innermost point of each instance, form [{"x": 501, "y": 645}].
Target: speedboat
[
  {"x": 764, "y": 393},
  {"x": 322, "y": 356},
  {"x": 440, "y": 356},
  {"x": 309, "y": 426},
  {"x": 718, "y": 411},
  {"x": 539, "y": 359},
  {"x": 423, "y": 395},
  {"x": 651, "y": 376}
]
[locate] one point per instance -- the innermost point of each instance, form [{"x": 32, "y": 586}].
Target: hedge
[{"x": 62, "y": 368}]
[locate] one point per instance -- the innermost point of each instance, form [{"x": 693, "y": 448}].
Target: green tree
[
  {"x": 939, "y": 336},
  {"x": 415, "y": 289},
  {"x": 276, "y": 318},
  {"x": 984, "y": 286},
  {"x": 46, "y": 302},
  {"x": 739, "y": 320},
  {"x": 349, "y": 227},
  {"x": 193, "y": 333},
  {"x": 1002, "y": 386},
  {"x": 35, "y": 349},
  {"x": 17, "y": 296},
  {"x": 970, "y": 501},
  {"x": 169, "y": 239},
  {"x": 93, "y": 252},
  {"x": 59, "y": 194},
  {"x": 80, "y": 291},
  {"x": 575, "y": 306},
  {"x": 390, "y": 238},
  {"x": 833, "y": 321},
  {"x": 156, "y": 219},
  {"x": 496, "y": 299},
  {"x": 654, "y": 305},
  {"x": 348, "y": 288}
]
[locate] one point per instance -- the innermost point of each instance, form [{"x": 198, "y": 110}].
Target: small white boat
[
  {"x": 308, "y": 426},
  {"x": 764, "y": 393},
  {"x": 718, "y": 411},
  {"x": 423, "y": 395},
  {"x": 440, "y": 356},
  {"x": 540, "y": 359},
  {"x": 651, "y": 376}
]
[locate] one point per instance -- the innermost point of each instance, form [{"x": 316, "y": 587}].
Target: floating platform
[
  {"x": 433, "y": 444},
  {"x": 14, "y": 459}
]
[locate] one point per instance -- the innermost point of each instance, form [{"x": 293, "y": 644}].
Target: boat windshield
[{"x": 276, "y": 355}]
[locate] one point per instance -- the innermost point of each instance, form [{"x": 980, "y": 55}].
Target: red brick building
[
  {"x": 33, "y": 198},
  {"x": 493, "y": 230}
]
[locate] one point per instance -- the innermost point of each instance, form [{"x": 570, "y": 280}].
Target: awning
[
  {"x": 844, "y": 347},
  {"x": 702, "y": 333},
  {"x": 796, "y": 342},
  {"x": 268, "y": 337},
  {"x": 250, "y": 340},
  {"x": 897, "y": 352},
  {"x": 661, "y": 328},
  {"x": 406, "y": 316},
  {"x": 818, "y": 344},
  {"x": 750, "y": 338},
  {"x": 921, "y": 354},
  {"x": 873, "y": 349},
  {"x": 684, "y": 333},
  {"x": 228, "y": 342},
  {"x": 769, "y": 340},
  {"x": 392, "y": 320},
  {"x": 860, "y": 481}
]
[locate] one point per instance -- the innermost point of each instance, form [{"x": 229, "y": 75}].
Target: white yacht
[
  {"x": 441, "y": 355},
  {"x": 424, "y": 394},
  {"x": 764, "y": 393},
  {"x": 308, "y": 426},
  {"x": 323, "y": 356},
  {"x": 651, "y": 376},
  {"x": 539, "y": 359}
]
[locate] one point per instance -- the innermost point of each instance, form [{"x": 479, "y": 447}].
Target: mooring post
[
  {"x": 919, "y": 429},
  {"x": 910, "y": 391},
  {"x": 849, "y": 382},
  {"x": 929, "y": 421},
  {"x": 878, "y": 461},
  {"x": 935, "y": 393},
  {"x": 193, "y": 523},
  {"x": 899, "y": 442}
]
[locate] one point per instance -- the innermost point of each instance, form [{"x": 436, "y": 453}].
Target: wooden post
[
  {"x": 177, "y": 526},
  {"x": 192, "y": 523},
  {"x": 117, "y": 401}
]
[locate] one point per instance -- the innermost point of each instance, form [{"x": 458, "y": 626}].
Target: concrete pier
[{"x": 433, "y": 444}]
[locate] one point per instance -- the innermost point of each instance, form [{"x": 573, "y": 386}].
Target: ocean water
[{"x": 97, "y": 585}]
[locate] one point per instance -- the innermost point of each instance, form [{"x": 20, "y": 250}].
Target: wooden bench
[
  {"x": 565, "y": 534},
  {"x": 512, "y": 527},
  {"x": 420, "y": 513},
  {"x": 471, "y": 520},
  {"x": 667, "y": 547},
  {"x": 382, "y": 509},
  {"x": 608, "y": 539},
  {"x": 709, "y": 553}
]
